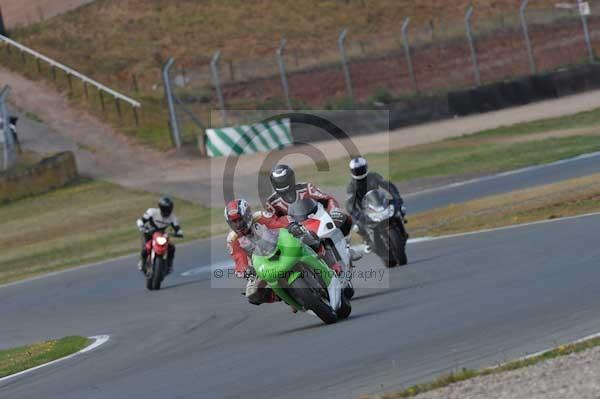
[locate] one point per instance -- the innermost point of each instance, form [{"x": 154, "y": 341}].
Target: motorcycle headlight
[
  {"x": 380, "y": 216},
  {"x": 161, "y": 240}
]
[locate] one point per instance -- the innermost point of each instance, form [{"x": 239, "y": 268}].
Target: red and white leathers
[
  {"x": 240, "y": 246},
  {"x": 279, "y": 205}
]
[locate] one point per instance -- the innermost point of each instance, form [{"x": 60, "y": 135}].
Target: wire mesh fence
[{"x": 369, "y": 71}]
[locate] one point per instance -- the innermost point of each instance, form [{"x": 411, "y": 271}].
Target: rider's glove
[
  {"x": 296, "y": 229},
  {"x": 250, "y": 273},
  {"x": 140, "y": 225},
  {"x": 179, "y": 233},
  {"x": 338, "y": 216}
]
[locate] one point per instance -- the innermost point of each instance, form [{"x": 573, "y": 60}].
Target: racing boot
[
  {"x": 337, "y": 268},
  {"x": 141, "y": 265}
]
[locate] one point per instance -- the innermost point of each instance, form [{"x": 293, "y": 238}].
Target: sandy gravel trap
[{"x": 574, "y": 376}]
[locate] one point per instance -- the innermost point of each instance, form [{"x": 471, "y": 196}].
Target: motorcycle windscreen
[
  {"x": 265, "y": 240},
  {"x": 376, "y": 200},
  {"x": 302, "y": 209},
  {"x": 376, "y": 206}
]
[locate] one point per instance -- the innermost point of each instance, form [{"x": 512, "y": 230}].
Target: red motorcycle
[{"x": 158, "y": 261}]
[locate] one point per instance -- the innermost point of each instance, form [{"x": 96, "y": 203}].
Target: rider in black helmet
[
  {"x": 362, "y": 182},
  {"x": 287, "y": 191}
]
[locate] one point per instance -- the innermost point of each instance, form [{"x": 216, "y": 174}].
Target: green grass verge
[
  {"x": 25, "y": 357},
  {"x": 579, "y": 120},
  {"x": 84, "y": 222},
  {"x": 570, "y": 197},
  {"x": 467, "y": 374},
  {"x": 463, "y": 156}
]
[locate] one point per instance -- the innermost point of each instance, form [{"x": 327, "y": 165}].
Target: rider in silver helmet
[{"x": 362, "y": 182}]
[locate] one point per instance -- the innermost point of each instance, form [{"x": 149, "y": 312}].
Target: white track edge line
[
  {"x": 504, "y": 174},
  {"x": 98, "y": 341},
  {"x": 491, "y": 230}
]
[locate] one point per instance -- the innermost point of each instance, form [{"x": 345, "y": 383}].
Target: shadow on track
[
  {"x": 182, "y": 284},
  {"x": 318, "y": 325},
  {"x": 388, "y": 291}
]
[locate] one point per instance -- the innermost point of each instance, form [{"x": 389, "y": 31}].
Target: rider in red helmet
[{"x": 242, "y": 222}]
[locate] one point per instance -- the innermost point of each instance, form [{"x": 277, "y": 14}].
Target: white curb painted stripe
[{"x": 98, "y": 340}]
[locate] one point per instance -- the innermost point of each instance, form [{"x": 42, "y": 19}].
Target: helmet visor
[{"x": 237, "y": 223}]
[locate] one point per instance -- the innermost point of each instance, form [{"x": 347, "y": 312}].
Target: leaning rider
[
  {"x": 242, "y": 223},
  {"x": 158, "y": 219}
]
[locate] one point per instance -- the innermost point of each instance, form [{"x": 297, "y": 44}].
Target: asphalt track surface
[{"x": 465, "y": 301}]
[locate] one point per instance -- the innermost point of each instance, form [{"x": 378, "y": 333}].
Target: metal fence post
[
  {"x": 341, "y": 41},
  {"x": 214, "y": 67},
  {"x": 284, "y": 81},
  {"x": 468, "y": 17},
  {"x": 586, "y": 31},
  {"x": 2, "y": 25},
  {"x": 174, "y": 123},
  {"x": 522, "y": 11},
  {"x": 9, "y": 145},
  {"x": 407, "y": 53}
]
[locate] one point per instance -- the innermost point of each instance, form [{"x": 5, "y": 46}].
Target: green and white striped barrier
[{"x": 248, "y": 139}]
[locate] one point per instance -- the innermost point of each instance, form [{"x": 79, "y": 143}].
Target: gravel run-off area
[{"x": 575, "y": 376}]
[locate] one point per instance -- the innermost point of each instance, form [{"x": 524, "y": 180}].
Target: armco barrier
[{"x": 49, "y": 174}]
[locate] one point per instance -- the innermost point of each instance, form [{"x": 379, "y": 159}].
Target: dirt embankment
[{"x": 26, "y": 12}]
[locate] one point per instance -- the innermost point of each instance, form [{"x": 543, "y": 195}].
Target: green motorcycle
[{"x": 298, "y": 276}]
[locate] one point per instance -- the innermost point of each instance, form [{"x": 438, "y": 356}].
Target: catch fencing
[
  {"x": 8, "y": 139},
  {"x": 419, "y": 60}
]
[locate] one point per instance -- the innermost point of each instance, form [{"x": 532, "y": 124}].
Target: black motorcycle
[{"x": 383, "y": 221}]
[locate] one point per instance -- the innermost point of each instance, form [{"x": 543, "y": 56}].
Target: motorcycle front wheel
[
  {"x": 158, "y": 272},
  {"x": 398, "y": 247}
]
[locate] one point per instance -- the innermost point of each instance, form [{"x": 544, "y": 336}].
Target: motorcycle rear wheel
[{"x": 307, "y": 292}]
